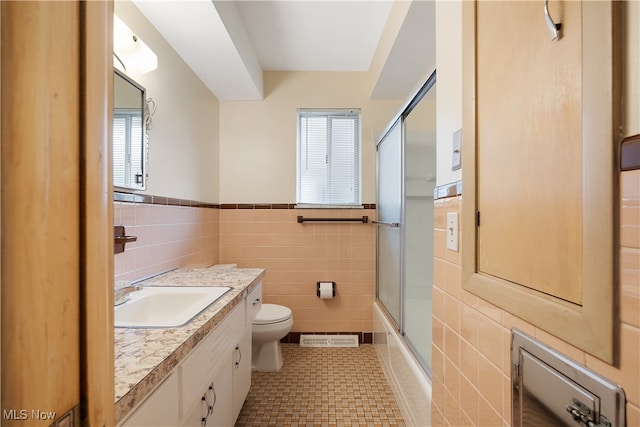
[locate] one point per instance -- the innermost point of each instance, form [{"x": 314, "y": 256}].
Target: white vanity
[{"x": 203, "y": 370}]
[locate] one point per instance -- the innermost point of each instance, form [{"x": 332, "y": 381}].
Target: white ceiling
[
  {"x": 229, "y": 43},
  {"x": 314, "y": 35}
]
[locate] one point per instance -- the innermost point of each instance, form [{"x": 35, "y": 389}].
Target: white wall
[
  {"x": 183, "y": 143},
  {"x": 449, "y": 67},
  {"x": 258, "y": 138}
]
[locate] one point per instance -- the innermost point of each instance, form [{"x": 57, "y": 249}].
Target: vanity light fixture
[{"x": 130, "y": 51}]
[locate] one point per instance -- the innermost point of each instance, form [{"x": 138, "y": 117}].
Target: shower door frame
[{"x": 399, "y": 119}]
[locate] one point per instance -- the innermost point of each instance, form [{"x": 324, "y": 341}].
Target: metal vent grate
[{"x": 328, "y": 341}]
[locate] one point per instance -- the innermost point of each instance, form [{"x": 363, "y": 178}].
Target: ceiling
[{"x": 228, "y": 44}]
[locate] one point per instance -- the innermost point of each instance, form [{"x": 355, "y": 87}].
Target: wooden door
[
  {"x": 96, "y": 285},
  {"x": 540, "y": 127},
  {"x": 529, "y": 139},
  {"x": 56, "y": 213}
]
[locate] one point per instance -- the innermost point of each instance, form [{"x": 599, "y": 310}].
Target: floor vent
[{"x": 328, "y": 341}]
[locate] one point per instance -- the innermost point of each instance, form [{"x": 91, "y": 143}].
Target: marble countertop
[{"x": 144, "y": 356}]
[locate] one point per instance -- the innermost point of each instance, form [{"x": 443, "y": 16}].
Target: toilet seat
[{"x": 272, "y": 313}]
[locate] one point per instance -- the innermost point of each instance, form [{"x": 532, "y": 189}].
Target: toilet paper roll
[
  {"x": 326, "y": 290},
  {"x": 326, "y": 293}
]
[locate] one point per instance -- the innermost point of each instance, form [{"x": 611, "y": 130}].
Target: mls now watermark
[{"x": 24, "y": 414}]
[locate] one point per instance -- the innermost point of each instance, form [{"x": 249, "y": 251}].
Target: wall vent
[{"x": 328, "y": 340}]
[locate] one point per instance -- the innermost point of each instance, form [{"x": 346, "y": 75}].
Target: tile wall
[
  {"x": 297, "y": 256},
  {"x": 169, "y": 236},
  {"x": 471, "y": 338}
]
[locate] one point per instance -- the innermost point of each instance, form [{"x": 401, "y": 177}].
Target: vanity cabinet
[
  {"x": 209, "y": 386},
  {"x": 207, "y": 373},
  {"x": 241, "y": 372},
  {"x": 242, "y": 352},
  {"x": 212, "y": 406},
  {"x": 161, "y": 408},
  {"x": 253, "y": 303}
]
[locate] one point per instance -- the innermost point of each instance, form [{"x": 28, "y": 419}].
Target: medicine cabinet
[{"x": 130, "y": 143}]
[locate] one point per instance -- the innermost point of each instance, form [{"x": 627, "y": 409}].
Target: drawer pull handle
[
  {"x": 239, "y": 356},
  {"x": 256, "y": 301},
  {"x": 211, "y": 405},
  {"x": 205, "y": 412}
]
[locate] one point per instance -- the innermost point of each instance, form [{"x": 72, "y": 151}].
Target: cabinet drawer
[
  {"x": 254, "y": 302},
  {"x": 210, "y": 355}
]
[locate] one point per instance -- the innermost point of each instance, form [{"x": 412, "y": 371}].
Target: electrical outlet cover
[{"x": 452, "y": 231}]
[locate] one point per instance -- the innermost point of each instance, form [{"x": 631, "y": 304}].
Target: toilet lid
[{"x": 272, "y": 313}]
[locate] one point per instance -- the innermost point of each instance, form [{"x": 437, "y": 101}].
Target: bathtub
[{"x": 410, "y": 384}]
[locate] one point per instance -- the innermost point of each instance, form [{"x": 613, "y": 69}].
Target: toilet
[{"x": 272, "y": 323}]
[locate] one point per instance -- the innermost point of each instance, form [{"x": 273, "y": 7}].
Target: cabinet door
[
  {"x": 216, "y": 408},
  {"x": 529, "y": 142},
  {"x": 161, "y": 407},
  {"x": 222, "y": 383},
  {"x": 540, "y": 117},
  {"x": 210, "y": 356},
  {"x": 253, "y": 304},
  {"x": 241, "y": 372}
]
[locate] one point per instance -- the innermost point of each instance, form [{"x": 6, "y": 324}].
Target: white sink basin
[{"x": 165, "y": 306}]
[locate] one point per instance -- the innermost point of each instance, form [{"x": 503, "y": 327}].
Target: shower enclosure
[{"x": 404, "y": 259}]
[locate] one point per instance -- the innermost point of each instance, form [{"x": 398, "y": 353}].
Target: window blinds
[
  {"x": 329, "y": 157},
  {"x": 127, "y": 163}
]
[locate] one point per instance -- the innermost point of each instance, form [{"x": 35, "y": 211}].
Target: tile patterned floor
[{"x": 323, "y": 387}]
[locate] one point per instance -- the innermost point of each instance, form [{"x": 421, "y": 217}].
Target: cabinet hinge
[
  {"x": 516, "y": 376},
  {"x": 477, "y": 218}
]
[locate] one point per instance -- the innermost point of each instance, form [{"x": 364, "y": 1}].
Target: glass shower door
[
  {"x": 389, "y": 211},
  {"x": 420, "y": 180},
  {"x": 405, "y": 237}
]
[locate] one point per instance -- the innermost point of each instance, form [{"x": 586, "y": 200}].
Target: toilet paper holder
[{"x": 324, "y": 285}]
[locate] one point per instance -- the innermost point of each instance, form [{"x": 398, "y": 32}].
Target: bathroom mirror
[{"x": 129, "y": 133}]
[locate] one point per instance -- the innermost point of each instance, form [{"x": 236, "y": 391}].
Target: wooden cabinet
[
  {"x": 529, "y": 137},
  {"x": 539, "y": 128}
]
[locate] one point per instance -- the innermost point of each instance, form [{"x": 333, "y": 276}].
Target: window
[
  {"x": 127, "y": 161},
  {"x": 328, "y": 157}
]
